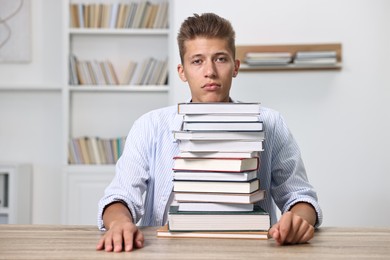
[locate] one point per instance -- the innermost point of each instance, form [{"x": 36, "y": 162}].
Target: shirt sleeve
[
  {"x": 131, "y": 173},
  {"x": 289, "y": 183}
]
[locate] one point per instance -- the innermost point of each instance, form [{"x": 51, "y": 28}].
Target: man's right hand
[{"x": 122, "y": 233}]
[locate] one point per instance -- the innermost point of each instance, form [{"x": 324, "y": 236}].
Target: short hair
[{"x": 208, "y": 25}]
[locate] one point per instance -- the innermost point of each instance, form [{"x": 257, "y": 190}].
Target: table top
[{"x": 79, "y": 242}]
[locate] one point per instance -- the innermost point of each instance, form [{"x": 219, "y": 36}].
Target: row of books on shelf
[
  {"x": 86, "y": 72},
  {"x": 215, "y": 181},
  {"x": 142, "y": 14},
  {"x": 95, "y": 150},
  {"x": 301, "y": 58}
]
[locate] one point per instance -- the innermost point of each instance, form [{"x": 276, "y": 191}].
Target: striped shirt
[{"x": 146, "y": 166}]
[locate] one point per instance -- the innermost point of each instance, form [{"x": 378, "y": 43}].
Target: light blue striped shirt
[{"x": 146, "y": 166}]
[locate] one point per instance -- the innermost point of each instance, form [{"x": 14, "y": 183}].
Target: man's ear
[
  {"x": 236, "y": 68},
  {"x": 180, "y": 71}
]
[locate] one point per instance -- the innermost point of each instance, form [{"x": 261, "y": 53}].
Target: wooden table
[{"x": 78, "y": 242}]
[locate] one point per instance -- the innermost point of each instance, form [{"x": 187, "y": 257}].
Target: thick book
[
  {"x": 258, "y": 220},
  {"x": 164, "y": 232},
  {"x": 220, "y": 145},
  {"x": 223, "y": 126},
  {"x": 213, "y": 206},
  {"x": 216, "y": 186},
  {"x": 220, "y": 197},
  {"x": 214, "y": 176},
  {"x": 221, "y": 118},
  {"x": 217, "y": 154},
  {"x": 216, "y": 164},
  {"x": 218, "y": 108},
  {"x": 219, "y": 135}
]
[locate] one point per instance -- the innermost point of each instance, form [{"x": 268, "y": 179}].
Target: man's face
[{"x": 209, "y": 67}]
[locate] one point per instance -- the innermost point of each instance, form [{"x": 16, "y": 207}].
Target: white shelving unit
[
  {"x": 104, "y": 111},
  {"x": 15, "y": 193}
]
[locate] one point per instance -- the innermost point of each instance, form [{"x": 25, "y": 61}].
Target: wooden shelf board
[{"x": 241, "y": 51}]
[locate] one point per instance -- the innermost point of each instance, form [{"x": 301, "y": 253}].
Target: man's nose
[{"x": 209, "y": 69}]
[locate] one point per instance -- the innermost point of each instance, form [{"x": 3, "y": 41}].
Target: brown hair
[{"x": 208, "y": 25}]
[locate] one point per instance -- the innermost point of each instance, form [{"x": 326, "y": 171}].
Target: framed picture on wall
[{"x": 15, "y": 31}]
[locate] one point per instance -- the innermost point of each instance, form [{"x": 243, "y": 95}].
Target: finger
[
  {"x": 301, "y": 230},
  {"x": 128, "y": 240},
  {"x": 293, "y": 235},
  {"x": 108, "y": 242},
  {"x": 117, "y": 240},
  {"x": 100, "y": 244},
  {"x": 139, "y": 239},
  {"x": 285, "y": 226},
  {"x": 309, "y": 234},
  {"x": 274, "y": 233}
]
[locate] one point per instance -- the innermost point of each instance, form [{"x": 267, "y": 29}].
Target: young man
[{"x": 208, "y": 64}]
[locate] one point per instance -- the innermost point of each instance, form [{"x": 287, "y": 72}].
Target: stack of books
[
  {"x": 215, "y": 175},
  {"x": 268, "y": 58},
  {"x": 315, "y": 58}
]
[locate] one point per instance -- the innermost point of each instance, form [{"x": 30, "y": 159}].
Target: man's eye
[
  {"x": 221, "y": 59},
  {"x": 196, "y": 62}
]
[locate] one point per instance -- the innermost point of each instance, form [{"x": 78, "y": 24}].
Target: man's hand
[
  {"x": 295, "y": 226},
  {"x": 122, "y": 233}
]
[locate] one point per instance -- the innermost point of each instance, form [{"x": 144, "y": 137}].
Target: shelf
[
  {"x": 241, "y": 51},
  {"x": 102, "y": 31},
  {"x": 88, "y": 168},
  {"x": 24, "y": 88},
  {"x": 94, "y": 88}
]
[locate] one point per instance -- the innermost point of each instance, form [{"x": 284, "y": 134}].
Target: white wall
[
  {"x": 339, "y": 118},
  {"x": 30, "y": 120}
]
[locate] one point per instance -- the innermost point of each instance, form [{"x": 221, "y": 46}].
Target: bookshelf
[
  {"x": 242, "y": 50},
  {"x": 15, "y": 193},
  {"x": 103, "y": 109}
]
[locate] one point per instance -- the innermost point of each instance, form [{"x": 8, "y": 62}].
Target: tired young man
[{"x": 208, "y": 64}]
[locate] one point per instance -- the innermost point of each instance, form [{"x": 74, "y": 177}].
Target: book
[
  {"x": 258, "y": 219},
  {"x": 217, "y": 154},
  {"x": 219, "y": 135},
  {"x": 216, "y": 186},
  {"x": 164, "y": 232},
  {"x": 268, "y": 58},
  {"x": 214, "y": 206},
  {"x": 218, "y": 108},
  {"x": 220, "y": 197},
  {"x": 315, "y": 54},
  {"x": 316, "y": 61},
  {"x": 223, "y": 126},
  {"x": 214, "y": 176},
  {"x": 220, "y": 145},
  {"x": 221, "y": 118},
  {"x": 216, "y": 164}
]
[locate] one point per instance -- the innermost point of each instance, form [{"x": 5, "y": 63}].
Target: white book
[
  {"x": 213, "y": 206},
  {"x": 315, "y": 54},
  {"x": 114, "y": 15},
  {"x": 216, "y": 164},
  {"x": 220, "y": 145},
  {"x": 268, "y": 55},
  {"x": 223, "y": 126},
  {"x": 218, "y": 135},
  {"x": 216, "y": 186},
  {"x": 217, "y": 154},
  {"x": 316, "y": 61},
  {"x": 221, "y": 118},
  {"x": 214, "y": 176},
  {"x": 219, "y": 197}
]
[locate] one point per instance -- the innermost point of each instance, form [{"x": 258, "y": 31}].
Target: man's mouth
[{"x": 211, "y": 86}]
